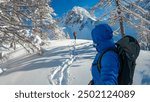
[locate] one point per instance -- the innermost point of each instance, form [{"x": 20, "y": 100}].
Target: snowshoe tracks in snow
[{"x": 60, "y": 74}]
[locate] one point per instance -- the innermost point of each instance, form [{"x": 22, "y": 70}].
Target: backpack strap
[{"x": 100, "y": 57}]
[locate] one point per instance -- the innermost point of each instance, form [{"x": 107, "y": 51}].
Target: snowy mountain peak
[
  {"x": 82, "y": 12},
  {"x": 77, "y": 15},
  {"x": 80, "y": 21}
]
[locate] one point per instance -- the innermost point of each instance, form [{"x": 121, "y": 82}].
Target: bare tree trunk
[
  {"x": 121, "y": 18},
  {"x": 14, "y": 42},
  {"x": 41, "y": 25}
]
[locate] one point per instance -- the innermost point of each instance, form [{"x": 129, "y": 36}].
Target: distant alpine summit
[{"x": 80, "y": 21}]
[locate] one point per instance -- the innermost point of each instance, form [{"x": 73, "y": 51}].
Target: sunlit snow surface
[{"x": 64, "y": 62}]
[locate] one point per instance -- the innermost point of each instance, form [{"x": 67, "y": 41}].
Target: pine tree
[
  {"x": 136, "y": 13},
  {"x": 19, "y": 16},
  {"x": 144, "y": 38}
]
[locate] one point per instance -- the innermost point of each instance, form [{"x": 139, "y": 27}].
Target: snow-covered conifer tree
[
  {"x": 135, "y": 13},
  {"x": 20, "y": 19}
]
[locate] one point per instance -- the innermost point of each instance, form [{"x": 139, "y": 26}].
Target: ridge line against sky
[{"x": 62, "y": 6}]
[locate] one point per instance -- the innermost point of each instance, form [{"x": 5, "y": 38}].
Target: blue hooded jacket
[{"x": 102, "y": 36}]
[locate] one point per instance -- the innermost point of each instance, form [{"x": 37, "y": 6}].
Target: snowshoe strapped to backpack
[{"x": 128, "y": 50}]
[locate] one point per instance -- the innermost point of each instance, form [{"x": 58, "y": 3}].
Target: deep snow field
[{"x": 64, "y": 62}]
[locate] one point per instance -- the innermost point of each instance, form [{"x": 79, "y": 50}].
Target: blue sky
[{"x": 62, "y": 6}]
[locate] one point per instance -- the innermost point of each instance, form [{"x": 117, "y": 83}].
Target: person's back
[
  {"x": 75, "y": 35},
  {"x": 102, "y": 36}
]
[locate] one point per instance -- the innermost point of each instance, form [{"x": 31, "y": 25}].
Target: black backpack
[{"x": 128, "y": 50}]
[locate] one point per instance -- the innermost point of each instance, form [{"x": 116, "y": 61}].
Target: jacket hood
[{"x": 102, "y": 32}]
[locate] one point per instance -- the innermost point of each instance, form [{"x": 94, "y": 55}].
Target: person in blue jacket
[{"x": 102, "y": 36}]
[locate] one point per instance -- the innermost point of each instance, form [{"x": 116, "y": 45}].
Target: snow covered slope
[
  {"x": 142, "y": 72},
  {"x": 80, "y": 21},
  {"x": 64, "y": 62}
]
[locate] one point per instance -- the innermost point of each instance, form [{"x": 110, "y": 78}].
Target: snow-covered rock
[{"x": 80, "y": 21}]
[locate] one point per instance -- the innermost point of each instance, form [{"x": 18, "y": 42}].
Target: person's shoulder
[
  {"x": 110, "y": 58},
  {"x": 110, "y": 55}
]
